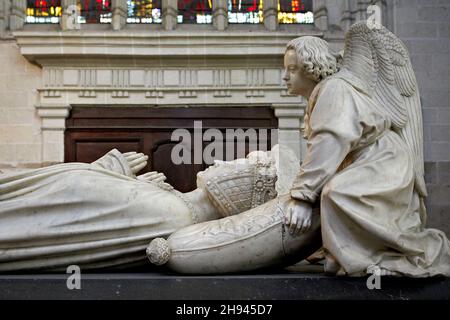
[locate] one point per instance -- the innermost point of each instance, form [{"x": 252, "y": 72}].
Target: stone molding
[
  {"x": 161, "y": 68},
  {"x": 51, "y": 44},
  {"x": 53, "y": 116},
  {"x": 53, "y": 125}
]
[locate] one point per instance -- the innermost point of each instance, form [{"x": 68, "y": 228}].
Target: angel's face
[{"x": 296, "y": 80}]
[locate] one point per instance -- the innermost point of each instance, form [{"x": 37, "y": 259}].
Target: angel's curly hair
[{"x": 318, "y": 61}]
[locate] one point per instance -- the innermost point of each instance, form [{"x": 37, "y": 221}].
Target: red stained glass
[
  {"x": 195, "y": 11},
  {"x": 295, "y": 5},
  {"x": 295, "y": 11},
  {"x": 95, "y": 11}
]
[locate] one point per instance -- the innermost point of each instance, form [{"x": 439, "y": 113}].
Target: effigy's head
[
  {"x": 307, "y": 59},
  {"x": 239, "y": 185}
]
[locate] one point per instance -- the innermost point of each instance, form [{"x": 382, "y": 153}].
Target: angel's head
[{"x": 307, "y": 61}]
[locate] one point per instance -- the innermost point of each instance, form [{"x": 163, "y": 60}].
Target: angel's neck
[{"x": 308, "y": 90}]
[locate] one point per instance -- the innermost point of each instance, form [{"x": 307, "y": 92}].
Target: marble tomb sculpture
[
  {"x": 100, "y": 215},
  {"x": 363, "y": 169}
]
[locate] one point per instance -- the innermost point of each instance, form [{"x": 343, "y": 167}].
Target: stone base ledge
[{"x": 161, "y": 286}]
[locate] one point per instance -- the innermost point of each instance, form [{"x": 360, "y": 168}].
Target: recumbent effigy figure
[
  {"x": 101, "y": 216},
  {"x": 363, "y": 168}
]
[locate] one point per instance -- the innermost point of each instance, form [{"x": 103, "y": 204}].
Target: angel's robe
[
  {"x": 362, "y": 174},
  {"x": 93, "y": 215}
]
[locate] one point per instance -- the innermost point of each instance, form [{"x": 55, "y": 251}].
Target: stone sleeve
[
  {"x": 116, "y": 162},
  {"x": 335, "y": 128}
]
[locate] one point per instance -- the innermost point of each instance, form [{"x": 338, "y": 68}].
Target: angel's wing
[{"x": 381, "y": 61}]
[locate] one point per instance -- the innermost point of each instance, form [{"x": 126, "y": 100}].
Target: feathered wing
[{"x": 381, "y": 62}]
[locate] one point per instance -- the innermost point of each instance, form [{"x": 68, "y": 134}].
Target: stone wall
[
  {"x": 424, "y": 26},
  {"x": 20, "y": 138}
]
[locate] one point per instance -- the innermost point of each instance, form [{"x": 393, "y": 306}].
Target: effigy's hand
[
  {"x": 298, "y": 216},
  {"x": 156, "y": 177},
  {"x": 152, "y": 176},
  {"x": 136, "y": 161}
]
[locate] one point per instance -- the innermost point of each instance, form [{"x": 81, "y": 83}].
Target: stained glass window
[
  {"x": 94, "y": 11},
  {"x": 195, "y": 11},
  {"x": 245, "y": 11},
  {"x": 295, "y": 11},
  {"x": 43, "y": 11},
  {"x": 144, "y": 11}
]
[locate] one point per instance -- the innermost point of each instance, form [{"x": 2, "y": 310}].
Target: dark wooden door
[{"x": 93, "y": 131}]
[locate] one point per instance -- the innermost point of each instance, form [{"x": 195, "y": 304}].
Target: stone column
[
  {"x": 4, "y": 9},
  {"x": 169, "y": 14},
  {"x": 289, "y": 123},
  {"x": 320, "y": 14},
  {"x": 17, "y": 16},
  {"x": 69, "y": 15},
  {"x": 119, "y": 14},
  {"x": 346, "y": 19},
  {"x": 53, "y": 126},
  {"x": 361, "y": 10},
  {"x": 220, "y": 15},
  {"x": 270, "y": 8}
]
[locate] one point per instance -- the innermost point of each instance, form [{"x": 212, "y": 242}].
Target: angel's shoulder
[{"x": 333, "y": 85}]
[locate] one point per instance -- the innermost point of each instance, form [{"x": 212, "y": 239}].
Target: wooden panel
[
  {"x": 93, "y": 131},
  {"x": 90, "y": 151}
]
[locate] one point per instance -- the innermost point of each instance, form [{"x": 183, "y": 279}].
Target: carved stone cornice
[{"x": 35, "y": 45}]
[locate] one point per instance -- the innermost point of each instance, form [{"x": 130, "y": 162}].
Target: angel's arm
[{"x": 335, "y": 130}]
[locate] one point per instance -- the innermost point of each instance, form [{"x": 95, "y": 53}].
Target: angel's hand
[
  {"x": 136, "y": 161},
  {"x": 298, "y": 217}
]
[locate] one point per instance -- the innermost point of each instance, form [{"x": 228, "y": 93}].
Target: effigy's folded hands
[
  {"x": 136, "y": 161},
  {"x": 155, "y": 177}
]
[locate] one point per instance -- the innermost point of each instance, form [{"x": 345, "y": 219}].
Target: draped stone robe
[
  {"x": 93, "y": 215},
  {"x": 362, "y": 173}
]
